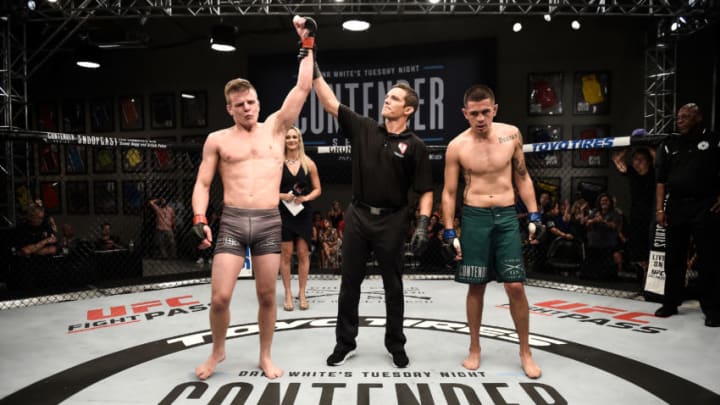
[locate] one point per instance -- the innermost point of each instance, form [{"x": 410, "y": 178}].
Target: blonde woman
[{"x": 300, "y": 184}]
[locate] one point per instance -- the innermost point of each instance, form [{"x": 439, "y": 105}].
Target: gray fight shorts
[{"x": 242, "y": 227}]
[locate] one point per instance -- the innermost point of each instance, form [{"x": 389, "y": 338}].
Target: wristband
[
  {"x": 659, "y": 211},
  {"x": 308, "y": 42},
  {"x": 449, "y": 234},
  {"x": 199, "y": 219},
  {"x": 535, "y": 217}
]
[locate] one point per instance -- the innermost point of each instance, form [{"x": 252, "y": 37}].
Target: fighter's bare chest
[
  {"x": 486, "y": 157},
  {"x": 250, "y": 149}
]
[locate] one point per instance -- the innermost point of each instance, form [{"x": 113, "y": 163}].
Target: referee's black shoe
[
  {"x": 399, "y": 359},
  {"x": 666, "y": 311},
  {"x": 712, "y": 322},
  {"x": 339, "y": 356}
]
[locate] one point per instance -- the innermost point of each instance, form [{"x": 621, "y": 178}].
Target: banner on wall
[{"x": 439, "y": 73}]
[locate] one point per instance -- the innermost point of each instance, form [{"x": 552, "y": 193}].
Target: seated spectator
[
  {"x": 555, "y": 223},
  {"x": 544, "y": 201},
  {"x": 107, "y": 241},
  {"x": 433, "y": 225},
  {"x": 457, "y": 223},
  {"x": 432, "y": 259},
  {"x": 605, "y": 240},
  {"x": 49, "y": 220},
  {"x": 35, "y": 236},
  {"x": 330, "y": 246},
  {"x": 68, "y": 242},
  {"x": 335, "y": 215}
]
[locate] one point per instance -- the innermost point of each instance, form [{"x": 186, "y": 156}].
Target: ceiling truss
[{"x": 70, "y": 9}]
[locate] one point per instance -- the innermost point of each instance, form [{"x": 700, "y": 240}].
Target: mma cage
[{"x": 87, "y": 181}]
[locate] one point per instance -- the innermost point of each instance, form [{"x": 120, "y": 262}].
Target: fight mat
[{"x": 142, "y": 348}]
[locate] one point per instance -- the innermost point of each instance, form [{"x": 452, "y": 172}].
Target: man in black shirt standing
[
  {"x": 688, "y": 170},
  {"x": 387, "y": 160}
]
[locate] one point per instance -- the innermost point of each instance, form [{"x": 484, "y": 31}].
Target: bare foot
[
  {"x": 472, "y": 362},
  {"x": 270, "y": 370},
  {"x": 205, "y": 370},
  {"x": 529, "y": 367}
]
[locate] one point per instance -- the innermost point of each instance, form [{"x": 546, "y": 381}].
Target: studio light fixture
[
  {"x": 575, "y": 25},
  {"x": 356, "y": 25},
  {"x": 517, "y": 27},
  {"x": 87, "y": 56},
  {"x": 223, "y": 38},
  {"x": 547, "y": 17}
]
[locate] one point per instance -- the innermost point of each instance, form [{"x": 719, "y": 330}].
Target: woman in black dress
[{"x": 300, "y": 184}]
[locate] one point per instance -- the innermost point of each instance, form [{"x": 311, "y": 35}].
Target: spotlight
[
  {"x": 433, "y": 1},
  {"x": 356, "y": 25},
  {"x": 223, "y": 38},
  {"x": 87, "y": 56},
  {"x": 575, "y": 25},
  {"x": 547, "y": 17},
  {"x": 517, "y": 27},
  {"x": 31, "y": 5}
]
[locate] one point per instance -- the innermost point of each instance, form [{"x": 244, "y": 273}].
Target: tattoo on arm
[
  {"x": 468, "y": 175},
  {"x": 519, "y": 166},
  {"x": 518, "y": 159}
]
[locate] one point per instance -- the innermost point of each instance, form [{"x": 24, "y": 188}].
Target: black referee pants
[
  {"x": 385, "y": 235},
  {"x": 693, "y": 221}
]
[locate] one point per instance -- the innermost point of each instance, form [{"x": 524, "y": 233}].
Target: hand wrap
[
  {"x": 197, "y": 232},
  {"x": 536, "y": 229},
  {"x": 451, "y": 247},
  {"x": 309, "y": 43}
]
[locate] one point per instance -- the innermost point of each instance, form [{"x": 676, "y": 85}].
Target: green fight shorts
[{"x": 491, "y": 246}]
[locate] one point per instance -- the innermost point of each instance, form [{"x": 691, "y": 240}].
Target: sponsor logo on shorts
[{"x": 469, "y": 271}]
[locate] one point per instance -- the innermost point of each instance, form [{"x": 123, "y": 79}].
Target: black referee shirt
[
  {"x": 689, "y": 165},
  {"x": 384, "y": 166}
]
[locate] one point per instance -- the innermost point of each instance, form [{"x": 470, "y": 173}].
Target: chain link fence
[{"x": 102, "y": 199}]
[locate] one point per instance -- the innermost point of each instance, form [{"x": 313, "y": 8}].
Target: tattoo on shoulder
[{"x": 507, "y": 138}]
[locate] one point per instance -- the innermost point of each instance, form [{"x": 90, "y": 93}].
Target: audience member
[
  {"x": 457, "y": 223},
  {"x": 641, "y": 176},
  {"x": 576, "y": 217},
  {"x": 433, "y": 259},
  {"x": 330, "y": 246},
  {"x": 335, "y": 215},
  {"x": 68, "y": 242},
  {"x": 434, "y": 224},
  {"x": 107, "y": 241},
  {"x": 164, "y": 228},
  {"x": 687, "y": 169},
  {"x": 544, "y": 200},
  {"x": 35, "y": 237},
  {"x": 604, "y": 240}
]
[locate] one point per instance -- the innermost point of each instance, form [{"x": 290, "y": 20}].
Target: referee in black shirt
[
  {"x": 387, "y": 160},
  {"x": 688, "y": 170}
]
